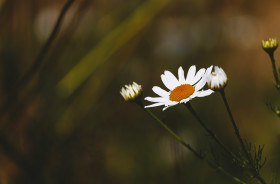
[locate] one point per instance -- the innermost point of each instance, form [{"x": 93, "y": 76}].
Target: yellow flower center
[{"x": 181, "y": 92}]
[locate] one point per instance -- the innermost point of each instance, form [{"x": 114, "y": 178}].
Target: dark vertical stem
[
  {"x": 11, "y": 98},
  {"x": 249, "y": 158},
  {"x": 174, "y": 134},
  {"x": 222, "y": 92},
  {"x": 188, "y": 105},
  {"x": 271, "y": 55},
  {"x": 39, "y": 60},
  {"x": 197, "y": 154}
]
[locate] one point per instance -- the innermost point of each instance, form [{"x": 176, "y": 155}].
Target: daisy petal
[
  {"x": 154, "y": 105},
  {"x": 171, "y": 103},
  {"x": 157, "y": 99},
  {"x": 204, "y": 93},
  {"x": 167, "y": 82},
  {"x": 209, "y": 70},
  {"x": 177, "y": 89},
  {"x": 186, "y": 100},
  {"x": 198, "y": 76},
  {"x": 200, "y": 84},
  {"x": 167, "y": 107},
  {"x": 191, "y": 73},
  {"x": 171, "y": 78},
  {"x": 160, "y": 91},
  {"x": 181, "y": 75}
]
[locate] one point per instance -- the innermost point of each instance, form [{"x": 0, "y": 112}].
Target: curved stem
[
  {"x": 10, "y": 99},
  {"x": 39, "y": 60},
  {"x": 197, "y": 154},
  {"x": 249, "y": 158},
  {"x": 174, "y": 134},
  {"x": 213, "y": 135}
]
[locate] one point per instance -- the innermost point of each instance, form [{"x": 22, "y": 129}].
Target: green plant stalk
[
  {"x": 198, "y": 155},
  {"x": 249, "y": 158},
  {"x": 174, "y": 134},
  {"x": 228, "y": 174},
  {"x": 271, "y": 55},
  {"x": 213, "y": 135}
]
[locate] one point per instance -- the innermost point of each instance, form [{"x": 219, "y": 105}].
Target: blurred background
[{"x": 63, "y": 120}]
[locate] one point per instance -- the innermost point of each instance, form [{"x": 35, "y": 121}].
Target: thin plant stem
[
  {"x": 213, "y": 135},
  {"x": 196, "y": 153},
  {"x": 174, "y": 134},
  {"x": 39, "y": 60},
  {"x": 11, "y": 97},
  {"x": 271, "y": 55},
  {"x": 249, "y": 158}
]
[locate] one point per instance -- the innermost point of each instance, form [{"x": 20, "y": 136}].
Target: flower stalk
[
  {"x": 133, "y": 93},
  {"x": 212, "y": 134},
  {"x": 173, "y": 134},
  {"x": 269, "y": 46},
  {"x": 274, "y": 70},
  {"x": 237, "y": 133},
  {"x": 196, "y": 153}
]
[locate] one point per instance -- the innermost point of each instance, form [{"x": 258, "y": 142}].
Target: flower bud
[
  {"x": 270, "y": 45},
  {"x": 131, "y": 92},
  {"x": 217, "y": 79}
]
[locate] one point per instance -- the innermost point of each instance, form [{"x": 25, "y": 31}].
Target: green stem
[
  {"x": 271, "y": 55},
  {"x": 188, "y": 105},
  {"x": 228, "y": 174},
  {"x": 174, "y": 134},
  {"x": 249, "y": 158},
  {"x": 198, "y": 155}
]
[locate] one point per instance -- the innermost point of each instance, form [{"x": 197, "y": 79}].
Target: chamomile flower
[
  {"x": 181, "y": 90},
  {"x": 131, "y": 92},
  {"x": 217, "y": 79}
]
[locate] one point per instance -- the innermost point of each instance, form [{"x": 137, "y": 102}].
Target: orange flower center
[{"x": 181, "y": 92}]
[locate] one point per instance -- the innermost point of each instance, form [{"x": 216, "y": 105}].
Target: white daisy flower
[
  {"x": 217, "y": 79},
  {"x": 131, "y": 92},
  {"x": 181, "y": 90}
]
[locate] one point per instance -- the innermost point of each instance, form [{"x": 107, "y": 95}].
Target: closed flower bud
[
  {"x": 131, "y": 92},
  {"x": 217, "y": 79},
  {"x": 270, "y": 45}
]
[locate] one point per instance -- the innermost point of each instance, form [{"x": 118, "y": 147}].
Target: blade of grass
[
  {"x": 109, "y": 45},
  {"x": 88, "y": 95}
]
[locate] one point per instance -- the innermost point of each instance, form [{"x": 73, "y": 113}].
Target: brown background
[{"x": 88, "y": 134}]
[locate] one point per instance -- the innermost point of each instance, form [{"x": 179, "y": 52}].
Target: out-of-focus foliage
[{"x": 69, "y": 124}]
